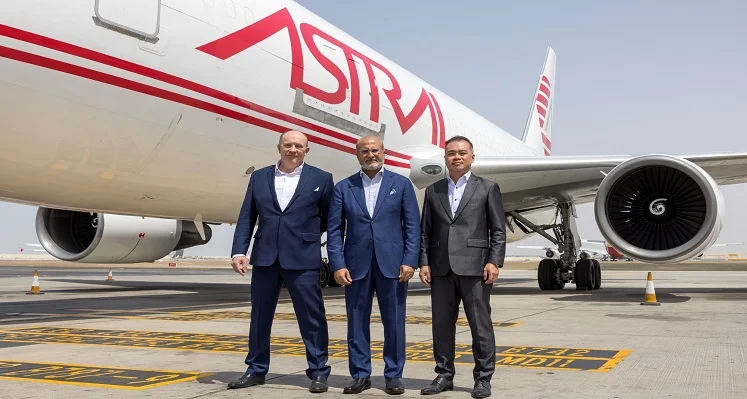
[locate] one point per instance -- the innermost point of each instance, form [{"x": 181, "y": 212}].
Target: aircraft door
[{"x": 138, "y": 18}]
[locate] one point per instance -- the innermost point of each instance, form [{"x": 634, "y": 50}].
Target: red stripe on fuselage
[
  {"x": 117, "y": 81},
  {"x": 105, "y": 59}
]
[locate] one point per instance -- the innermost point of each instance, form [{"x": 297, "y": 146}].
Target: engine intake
[
  {"x": 106, "y": 238},
  {"x": 659, "y": 209}
]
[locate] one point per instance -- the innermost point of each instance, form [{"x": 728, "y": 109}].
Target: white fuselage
[{"x": 93, "y": 119}]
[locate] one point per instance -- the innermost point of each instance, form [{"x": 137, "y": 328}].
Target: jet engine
[
  {"x": 105, "y": 238},
  {"x": 659, "y": 209}
]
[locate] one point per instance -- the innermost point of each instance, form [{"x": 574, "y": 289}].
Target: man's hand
[
  {"x": 405, "y": 273},
  {"x": 490, "y": 273},
  {"x": 342, "y": 277},
  {"x": 239, "y": 264},
  {"x": 425, "y": 275}
]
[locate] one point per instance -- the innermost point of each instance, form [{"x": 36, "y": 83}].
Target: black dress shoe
[
  {"x": 438, "y": 385},
  {"x": 359, "y": 385},
  {"x": 318, "y": 384},
  {"x": 394, "y": 386},
  {"x": 481, "y": 389},
  {"x": 247, "y": 380}
]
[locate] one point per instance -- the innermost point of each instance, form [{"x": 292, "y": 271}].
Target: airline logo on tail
[
  {"x": 538, "y": 130},
  {"x": 543, "y": 105}
]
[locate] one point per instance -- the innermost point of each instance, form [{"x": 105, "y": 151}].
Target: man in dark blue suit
[
  {"x": 291, "y": 200},
  {"x": 377, "y": 212}
]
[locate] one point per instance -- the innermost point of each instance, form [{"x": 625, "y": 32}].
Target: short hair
[{"x": 459, "y": 138}]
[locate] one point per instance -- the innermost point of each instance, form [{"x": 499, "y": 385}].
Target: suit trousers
[
  {"x": 446, "y": 293},
  {"x": 306, "y": 293},
  {"x": 392, "y": 298}
]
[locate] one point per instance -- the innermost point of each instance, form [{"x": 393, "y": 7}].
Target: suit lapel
[
  {"x": 386, "y": 185},
  {"x": 468, "y": 191},
  {"x": 306, "y": 175},
  {"x": 356, "y": 186},
  {"x": 271, "y": 181},
  {"x": 443, "y": 194}
]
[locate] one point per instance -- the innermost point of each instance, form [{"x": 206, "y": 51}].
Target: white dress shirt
[
  {"x": 371, "y": 189},
  {"x": 456, "y": 190},
  {"x": 285, "y": 184},
  {"x": 285, "y": 187}
]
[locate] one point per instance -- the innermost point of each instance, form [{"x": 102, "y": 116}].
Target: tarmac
[{"x": 181, "y": 332}]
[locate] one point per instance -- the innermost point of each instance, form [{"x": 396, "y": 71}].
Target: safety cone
[
  {"x": 110, "y": 276},
  {"x": 650, "y": 298},
  {"x": 35, "y": 290}
]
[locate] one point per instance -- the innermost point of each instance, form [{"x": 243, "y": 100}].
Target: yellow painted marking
[
  {"x": 91, "y": 376},
  {"x": 205, "y": 316},
  {"x": 601, "y": 360}
]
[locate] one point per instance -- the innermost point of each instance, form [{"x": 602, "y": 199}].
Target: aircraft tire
[
  {"x": 598, "y": 274},
  {"x": 546, "y": 274},
  {"x": 584, "y": 275}
]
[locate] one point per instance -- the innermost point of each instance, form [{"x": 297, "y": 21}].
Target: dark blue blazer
[
  {"x": 293, "y": 235},
  {"x": 393, "y": 232}
]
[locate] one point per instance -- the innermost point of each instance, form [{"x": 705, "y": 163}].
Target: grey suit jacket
[{"x": 476, "y": 235}]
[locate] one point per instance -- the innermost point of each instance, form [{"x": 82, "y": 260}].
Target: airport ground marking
[
  {"x": 92, "y": 376},
  {"x": 231, "y": 315},
  {"x": 557, "y": 358},
  {"x": 240, "y": 315}
]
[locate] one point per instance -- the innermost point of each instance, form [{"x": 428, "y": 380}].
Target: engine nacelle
[
  {"x": 659, "y": 209},
  {"x": 106, "y": 238}
]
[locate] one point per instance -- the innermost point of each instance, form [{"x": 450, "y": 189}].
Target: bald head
[
  {"x": 293, "y": 135},
  {"x": 369, "y": 140}
]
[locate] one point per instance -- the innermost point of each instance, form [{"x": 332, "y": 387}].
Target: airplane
[
  {"x": 552, "y": 252},
  {"x": 142, "y": 122},
  {"x": 614, "y": 254},
  {"x": 179, "y": 254}
]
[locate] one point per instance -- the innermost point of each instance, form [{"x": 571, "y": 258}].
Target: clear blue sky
[{"x": 632, "y": 77}]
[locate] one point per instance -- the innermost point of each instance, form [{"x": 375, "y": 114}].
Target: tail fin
[{"x": 538, "y": 127}]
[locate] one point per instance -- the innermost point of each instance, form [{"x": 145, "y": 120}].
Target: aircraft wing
[{"x": 535, "y": 182}]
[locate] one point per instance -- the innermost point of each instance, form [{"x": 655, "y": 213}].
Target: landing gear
[
  {"x": 573, "y": 266},
  {"x": 324, "y": 274}
]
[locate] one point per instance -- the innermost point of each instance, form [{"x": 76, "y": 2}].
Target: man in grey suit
[{"x": 463, "y": 245}]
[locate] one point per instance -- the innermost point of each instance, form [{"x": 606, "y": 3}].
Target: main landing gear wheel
[
  {"x": 584, "y": 275},
  {"x": 547, "y": 275},
  {"x": 588, "y": 275},
  {"x": 324, "y": 274}
]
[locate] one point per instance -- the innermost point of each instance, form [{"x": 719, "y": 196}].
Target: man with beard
[
  {"x": 291, "y": 199},
  {"x": 463, "y": 245},
  {"x": 377, "y": 213}
]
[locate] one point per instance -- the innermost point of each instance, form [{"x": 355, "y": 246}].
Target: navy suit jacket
[
  {"x": 393, "y": 232},
  {"x": 293, "y": 236}
]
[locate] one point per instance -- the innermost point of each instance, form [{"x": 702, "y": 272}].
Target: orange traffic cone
[
  {"x": 35, "y": 289},
  {"x": 110, "y": 276},
  {"x": 650, "y": 298}
]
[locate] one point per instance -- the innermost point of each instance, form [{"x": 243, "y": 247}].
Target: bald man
[
  {"x": 377, "y": 213},
  {"x": 291, "y": 200}
]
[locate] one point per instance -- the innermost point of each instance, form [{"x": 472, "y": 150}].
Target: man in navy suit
[
  {"x": 291, "y": 200},
  {"x": 377, "y": 211}
]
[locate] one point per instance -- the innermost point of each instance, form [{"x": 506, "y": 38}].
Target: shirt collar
[
  {"x": 295, "y": 172},
  {"x": 464, "y": 178},
  {"x": 365, "y": 176}
]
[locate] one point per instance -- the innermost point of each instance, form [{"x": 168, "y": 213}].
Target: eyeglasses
[{"x": 374, "y": 151}]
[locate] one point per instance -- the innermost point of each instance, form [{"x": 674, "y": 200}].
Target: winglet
[{"x": 538, "y": 127}]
